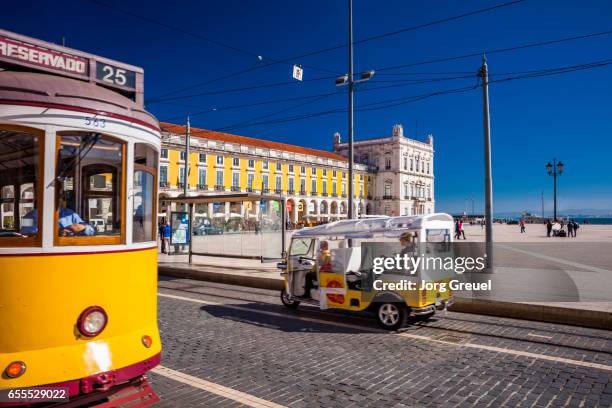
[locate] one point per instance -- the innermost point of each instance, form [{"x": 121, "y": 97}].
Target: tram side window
[
  {"x": 144, "y": 194},
  {"x": 19, "y": 185},
  {"x": 89, "y": 187}
]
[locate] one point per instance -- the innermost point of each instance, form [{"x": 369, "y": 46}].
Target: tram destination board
[{"x": 24, "y": 53}]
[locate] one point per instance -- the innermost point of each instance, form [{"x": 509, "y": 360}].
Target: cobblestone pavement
[{"x": 244, "y": 339}]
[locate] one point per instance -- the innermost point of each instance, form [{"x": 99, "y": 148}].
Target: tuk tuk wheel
[
  {"x": 288, "y": 301},
  {"x": 391, "y": 316}
]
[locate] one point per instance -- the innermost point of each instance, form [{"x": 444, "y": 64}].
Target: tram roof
[
  {"x": 369, "y": 226},
  {"x": 29, "y": 88}
]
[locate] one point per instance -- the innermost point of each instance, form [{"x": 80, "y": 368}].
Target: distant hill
[{"x": 572, "y": 212}]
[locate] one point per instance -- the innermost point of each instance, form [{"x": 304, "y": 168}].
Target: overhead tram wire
[
  {"x": 425, "y": 62},
  {"x": 340, "y": 46},
  {"x": 415, "y": 98},
  {"x": 196, "y": 35}
]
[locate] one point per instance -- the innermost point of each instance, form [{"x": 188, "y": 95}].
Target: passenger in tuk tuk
[
  {"x": 406, "y": 240},
  {"x": 324, "y": 264}
]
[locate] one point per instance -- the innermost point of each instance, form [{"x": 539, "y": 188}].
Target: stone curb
[{"x": 541, "y": 313}]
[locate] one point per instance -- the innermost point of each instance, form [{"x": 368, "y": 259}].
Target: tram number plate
[
  {"x": 34, "y": 394},
  {"x": 95, "y": 122},
  {"x": 115, "y": 76}
]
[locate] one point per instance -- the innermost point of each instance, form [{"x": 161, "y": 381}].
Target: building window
[
  {"x": 251, "y": 163},
  {"x": 279, "y": 167},
  {"x": 219, "y": 177},
  {"x": 313, "y": 186},
  {"x": 302, "y": 170},
  {"x": 264, "y": 165},
  {"x": 387, "y": 163},
  {"x": 405, "y": 163},
  {"x": 387, "y": 190},
  {"x": 219, "y": 159},
  {"x": 144, "y": 198},
  {"x": 427, "y": 167},
  {"x": 343, "y": 174},
  {"x": 236, "y": 161},
  {"x": 201, "y": 177},
  {"x": 334, "y": 187},
  {"x": 429, "y": 193},
  {"x": 164, "y": 153},
  {"x": 343, "y": 188},
  {"x": 183, "y": 155},
  {"x": 422, "y": 167},
  {"x": 290, "y": 183},
  {"x": 278, "y": 183},
  {"x": 406, "y": 190},
  {"x": 324, "y": 172},
  {"x": 313, "y": 171},
  {"x": 291, "y": 168},
  {"x": 302, "y": 185},
  {"x": 334, "y": 174},
  {"x": 365, "y": 158},
  {"x": 163, "y": 175},
  {"x": 264, "y": 181},
  {"x": 181, "y": 175},
  {"x": 411, "y": 165},
  {"x": 250, "y": 178},
  {"x": 202, "y": 157},
  {"x": 324, "y": 188},
  {"x": 235, "y": 179}
]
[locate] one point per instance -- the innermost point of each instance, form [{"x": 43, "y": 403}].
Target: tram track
[{"x": 527, "y": 337}]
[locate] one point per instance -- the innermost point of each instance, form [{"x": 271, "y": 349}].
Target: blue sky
[{"x": 567, "y": 116}]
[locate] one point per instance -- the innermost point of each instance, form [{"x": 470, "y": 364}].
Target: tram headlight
[
  {"x": 92, "y": 321},
  {"x": 15, "y": 369}
]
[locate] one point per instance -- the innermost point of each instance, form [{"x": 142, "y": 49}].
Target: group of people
[{"x": 556, "y": 228}]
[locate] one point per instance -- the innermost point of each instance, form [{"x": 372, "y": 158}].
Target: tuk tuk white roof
[{"x": 369, "y": 226}]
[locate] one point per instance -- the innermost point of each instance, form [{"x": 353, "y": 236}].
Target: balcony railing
[
  {"x": 181, "y": 185},
  {"x": 265, "y": 190},
  {"x": 387, "y": 197},
  {"x": 291, "y": 192},
  {"x": 219, "y": 188},
  {"x": 302, "y": 192},
  {"x": 249, "y": 189},
  {"x": 236, "y": 188},
  {"x": 324, "y": 194},
  {"x": 202, "y": 187},
  {"x": 334, "y": 194},
  {"x": 343, "y": 195},
  {"x": 278, "y": 191},
  {"x": 163, "y": 184},
  {"x": 387, "y": 167},
  {"x": 406, "y": 197}
]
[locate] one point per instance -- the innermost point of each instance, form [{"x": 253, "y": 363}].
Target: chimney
[{"x": 430, "y": 139}]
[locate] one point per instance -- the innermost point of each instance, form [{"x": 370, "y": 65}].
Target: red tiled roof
[{"x": 251, "y": 141}]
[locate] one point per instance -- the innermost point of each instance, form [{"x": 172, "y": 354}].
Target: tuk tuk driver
[{"x": 324, "y": 264}]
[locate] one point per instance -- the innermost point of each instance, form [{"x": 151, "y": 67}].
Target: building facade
[
  {"x": 313, "y": 183},
  {"x": 401, "y": 170}
]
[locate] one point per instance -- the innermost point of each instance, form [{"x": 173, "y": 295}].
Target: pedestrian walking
[
  {"x": 522, "y": 224},
  {"x": 167, "y": 231},
  {"x": 548, "y": 227},
  {"x": 576, "y": 226},
  {"x": 461, "y": 230},
  {"x": 570, "y": 229},
  {"x": 457, "y": 230}
]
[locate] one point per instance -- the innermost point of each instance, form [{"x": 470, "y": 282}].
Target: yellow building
[{"x": 313, "y": 183}]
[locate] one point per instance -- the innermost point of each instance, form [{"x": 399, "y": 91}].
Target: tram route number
[
  {"x": 115, "y": 76},
  {"x": 34, "y": 394},
  {"x": 95, "y": 122}
]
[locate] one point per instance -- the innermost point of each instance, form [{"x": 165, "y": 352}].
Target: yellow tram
[{"x": 78, "y": 254}]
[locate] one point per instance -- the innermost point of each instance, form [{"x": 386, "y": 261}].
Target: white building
[{"x": 402, "y": 170}]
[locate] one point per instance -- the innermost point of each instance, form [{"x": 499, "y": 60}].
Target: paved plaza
[{"x": 228, "y": 346}]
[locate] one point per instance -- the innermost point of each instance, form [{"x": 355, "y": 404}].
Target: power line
[
  {"x": 333, "y": 48},
  {"x": 385, "y": 104},
  {"x": 425, "y": 62}
]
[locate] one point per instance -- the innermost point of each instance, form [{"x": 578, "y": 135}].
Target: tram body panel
[{"x": 53, "y": 290}]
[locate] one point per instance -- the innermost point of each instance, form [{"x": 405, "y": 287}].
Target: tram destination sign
[
  {"x": 19, "y": 51},
  {"x": 22, "y": 52}
]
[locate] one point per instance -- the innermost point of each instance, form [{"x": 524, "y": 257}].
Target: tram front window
[
  {"x": 89, "y": 189},
  {"x": 19, "y": 185}
]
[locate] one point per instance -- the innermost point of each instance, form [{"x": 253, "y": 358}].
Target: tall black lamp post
[{"x": 554, "y": 170}]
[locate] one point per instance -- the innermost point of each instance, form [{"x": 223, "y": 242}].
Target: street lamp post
[
  {"x": 555, "y": 169},
  {"x": 349, "y": 80}
]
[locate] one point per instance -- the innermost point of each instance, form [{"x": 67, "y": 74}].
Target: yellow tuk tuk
[{"x": 331, "y": 266}]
